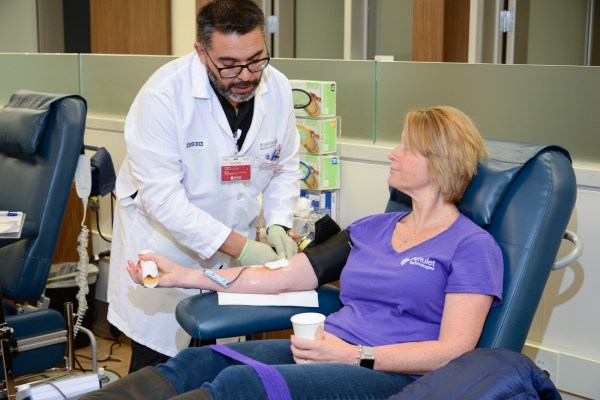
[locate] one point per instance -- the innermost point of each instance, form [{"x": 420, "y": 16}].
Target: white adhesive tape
[
  {"x": 149, "y": 271},
  {"x": 278, "y": 264}
]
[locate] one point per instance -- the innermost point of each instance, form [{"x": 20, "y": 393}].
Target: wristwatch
[{"x": 367, "y": 359}]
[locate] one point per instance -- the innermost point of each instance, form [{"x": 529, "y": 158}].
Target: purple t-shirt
[{"x": 395, "y": 297}]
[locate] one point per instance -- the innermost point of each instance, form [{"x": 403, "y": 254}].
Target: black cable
[
  {"x": 238, "y": 275},
  {"x": 112, "y": 345},
  {"x": 112, "y": 217},
  {"x": 112, "y": 339},
  {"x": 98, "y": 227},
  {"x": 80, "y": 366},
  {"x": 112, "y": 209},
  {"x": 109, "y": 356}
]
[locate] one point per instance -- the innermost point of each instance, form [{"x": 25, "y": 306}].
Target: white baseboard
[{"x": 570, "y": 372}]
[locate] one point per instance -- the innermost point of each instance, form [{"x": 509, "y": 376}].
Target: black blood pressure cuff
[{"x": 329, "y": 257}]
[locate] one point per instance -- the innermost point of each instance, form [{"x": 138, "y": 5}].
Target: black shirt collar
[{"x": 242, "y": 119}]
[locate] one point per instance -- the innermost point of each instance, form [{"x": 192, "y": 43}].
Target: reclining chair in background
[
  {"x": 523, "y": 195},
  {"x": 41, "y": 138}
]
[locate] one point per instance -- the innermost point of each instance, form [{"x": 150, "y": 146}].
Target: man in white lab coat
[{"x": 206, "y": 136}]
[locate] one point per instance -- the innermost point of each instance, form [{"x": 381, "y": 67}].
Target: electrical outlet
[{"x": 546, "y": 360}]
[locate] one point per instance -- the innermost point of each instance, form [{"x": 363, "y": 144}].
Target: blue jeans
[{"x": 227, "y": 379}]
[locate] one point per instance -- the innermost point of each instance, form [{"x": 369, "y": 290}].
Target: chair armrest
[
  {"x": 574, "y": 254},
  {"x": 30, "y": 230},
  {"x": 203, "y": 318}
]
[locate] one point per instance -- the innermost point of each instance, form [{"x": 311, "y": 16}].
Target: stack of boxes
[{"x": 319, "y": 130}]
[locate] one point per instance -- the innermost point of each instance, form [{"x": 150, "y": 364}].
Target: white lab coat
[{"x": 176, "y": 134}]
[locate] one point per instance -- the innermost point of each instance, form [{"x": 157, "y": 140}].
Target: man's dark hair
[{"x": 228, "y": 17}]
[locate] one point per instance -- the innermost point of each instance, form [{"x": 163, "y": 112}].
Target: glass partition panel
[
  {"x": 44, "y": 72},
  {"x": 355, "y": 86},
  {"x": 528, "y": 103},
  {"x": 111, "y": 82}
]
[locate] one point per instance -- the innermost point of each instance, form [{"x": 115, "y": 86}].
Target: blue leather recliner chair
[
  {"x": 523, "y": 195},
  {"x": 41, "y": 138}
]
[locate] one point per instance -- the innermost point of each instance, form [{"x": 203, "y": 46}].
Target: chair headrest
[
  {"x": 23, "y": 121},
  {"x": 494, "y": 176}
]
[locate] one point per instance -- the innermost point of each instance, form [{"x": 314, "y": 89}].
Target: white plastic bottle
[{"x": 102, "y": 377}]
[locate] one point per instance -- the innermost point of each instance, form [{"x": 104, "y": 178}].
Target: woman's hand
[
  {"x": 171, "y": 274},
  {"x": 326, "y": 348}
]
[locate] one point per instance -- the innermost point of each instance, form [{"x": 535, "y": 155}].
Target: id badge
[{"x": 235, "y": 169}]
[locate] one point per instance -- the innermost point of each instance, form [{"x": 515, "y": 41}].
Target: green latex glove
[
  {"x": 279, "y": 239},
  {"x": 256, "y": 253}
]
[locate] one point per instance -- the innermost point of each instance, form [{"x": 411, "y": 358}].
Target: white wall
[
  {"x": 567, "y": 322},
  {"x": 183, "y": 26}
]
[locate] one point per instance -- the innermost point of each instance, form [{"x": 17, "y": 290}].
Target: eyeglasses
[{"x": 231, "y": 71}]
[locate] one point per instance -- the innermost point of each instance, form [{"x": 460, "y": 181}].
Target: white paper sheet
[
  {"x": 308, "y": 298},
  {"x": 11, "y": 224}
]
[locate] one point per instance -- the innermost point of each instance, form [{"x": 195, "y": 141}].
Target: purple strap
[{"x": 272, "y": 380}]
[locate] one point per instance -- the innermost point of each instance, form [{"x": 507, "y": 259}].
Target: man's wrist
[{"x": 285, "y": 228}]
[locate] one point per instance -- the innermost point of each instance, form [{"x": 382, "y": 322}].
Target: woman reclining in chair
[{"x": 416, "y": 288}]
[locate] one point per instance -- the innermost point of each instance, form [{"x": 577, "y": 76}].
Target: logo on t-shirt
[{"x": 423, "y": 262}]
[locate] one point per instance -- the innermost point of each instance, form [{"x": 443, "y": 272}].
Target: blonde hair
[{"x": 451, "y": 143}]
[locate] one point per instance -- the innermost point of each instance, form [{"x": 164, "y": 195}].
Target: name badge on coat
[{"x": 235, "y": 169}]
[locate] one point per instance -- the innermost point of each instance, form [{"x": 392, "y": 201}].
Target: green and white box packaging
[
  {"x": 317, "y": 136},
  {"x": 320, "y": 172},
  {"x": 322, "y": 97}
]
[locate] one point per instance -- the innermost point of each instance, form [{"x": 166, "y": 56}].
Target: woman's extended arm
[{"x": 298, "y": 275}]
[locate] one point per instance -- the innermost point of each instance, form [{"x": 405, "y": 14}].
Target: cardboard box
[
  {"x": 323, "y": 200},
  {"x": 315, "y": 98},
  {"x": 319, "y": 172},
  {"x": 317, "y": 136}
]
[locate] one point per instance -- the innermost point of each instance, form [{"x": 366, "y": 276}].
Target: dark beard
[{"x": 225, "y": 91}]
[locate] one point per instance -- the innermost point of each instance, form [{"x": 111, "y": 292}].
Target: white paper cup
[
  {"x": 149, "y": 272},
  {"x": 306, "y": 324}
]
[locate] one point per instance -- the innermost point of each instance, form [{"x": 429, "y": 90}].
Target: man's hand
[
  {"x": 255, "y": 253},
  {"x": 283, "y": 243}
]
